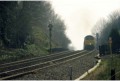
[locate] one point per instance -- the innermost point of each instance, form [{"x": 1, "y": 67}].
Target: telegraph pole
[
  {"x": 50, "y": 35},
  {"x": 112, "y": 62},
  {"x": 97, "y": 44}
]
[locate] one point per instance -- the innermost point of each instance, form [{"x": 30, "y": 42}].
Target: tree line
[
  {"x": 109, "y": 27},
  {"x": 21, "y": 20}
]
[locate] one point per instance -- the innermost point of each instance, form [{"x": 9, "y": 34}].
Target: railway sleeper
[{"x": 4, "y": 75}]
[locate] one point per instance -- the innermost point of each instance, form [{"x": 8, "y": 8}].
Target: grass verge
[
  {"x": 9, "y": 55},
  {"x": 103, "y": 72}
]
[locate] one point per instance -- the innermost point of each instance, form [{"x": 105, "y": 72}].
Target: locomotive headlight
[{"x": 90, "y": 43}]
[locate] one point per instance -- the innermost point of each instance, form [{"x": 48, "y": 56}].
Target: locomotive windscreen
[{"x": 89, "y": 38}]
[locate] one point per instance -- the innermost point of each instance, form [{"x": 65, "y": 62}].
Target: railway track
[
  {"x": 26, "y": 62},
  {"x": 14, "y": 69}
]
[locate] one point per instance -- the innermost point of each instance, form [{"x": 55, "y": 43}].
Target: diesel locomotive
[{"x": 89, "y": 42}]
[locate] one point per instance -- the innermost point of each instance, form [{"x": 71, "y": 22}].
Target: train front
[{"x": 89, "y": 42}]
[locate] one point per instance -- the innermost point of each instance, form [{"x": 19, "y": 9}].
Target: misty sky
[{"x": 80, "y": 16}]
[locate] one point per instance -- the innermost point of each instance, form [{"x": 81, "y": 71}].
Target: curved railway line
[
  {"x": 33, "y": 60},
  {"x": 14, "y": 69}
]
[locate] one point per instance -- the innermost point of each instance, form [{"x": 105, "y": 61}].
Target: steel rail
[
  {"x": 44, "y": 66},
  {"x": 45, "y": 62},
  {"x": 34, "y": 59},
  {"x": 31, "y": 59}
]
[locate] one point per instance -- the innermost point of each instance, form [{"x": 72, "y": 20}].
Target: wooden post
[
  {"x": 112, "y": 62},
  {"x": 70, "y": 72}
]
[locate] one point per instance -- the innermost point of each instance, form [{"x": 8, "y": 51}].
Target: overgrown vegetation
[
  {"x": 103, "y": 72},
  {"x": 109, "y": 27},
  {"x": 24, "y": 25}
]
